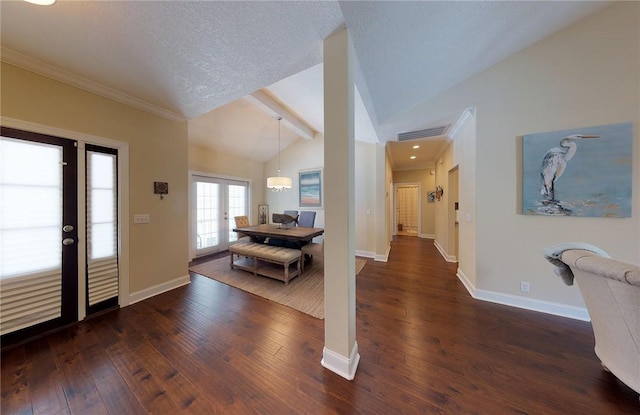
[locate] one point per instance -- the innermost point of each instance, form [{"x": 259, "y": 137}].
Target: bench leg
[{"x": 231, "y": 256}]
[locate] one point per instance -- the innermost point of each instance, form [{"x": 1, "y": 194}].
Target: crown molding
[
  {"x": 455, "y": 129},
  {"x": 34, "y": 65}
]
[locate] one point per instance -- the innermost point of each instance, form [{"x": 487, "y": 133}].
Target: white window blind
[
  {"x": 30, "y": 228},
  {"x": 102, "y": 227}
]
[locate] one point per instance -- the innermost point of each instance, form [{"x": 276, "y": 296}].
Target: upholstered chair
[
  {"x": 611, "y": 292},
  {"x": 307, "y": 219},
  {"x": 242, "y": 222}
]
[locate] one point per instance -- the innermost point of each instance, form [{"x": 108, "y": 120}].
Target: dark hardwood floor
[{"x": 426, "y": 347}]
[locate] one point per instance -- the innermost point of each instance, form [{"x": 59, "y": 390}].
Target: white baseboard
[
  {"x": 365, "y": 254},
  {"x": 427, "y": 236},
  {"x": 158, "y": 289},
  {"x": 385, "y": 257},
  {"x": 343, "y": 366},
  {"x": 447, "y": 257},
  {"x": 542, "y": 306},
  {"x": 466, "y": 282}
]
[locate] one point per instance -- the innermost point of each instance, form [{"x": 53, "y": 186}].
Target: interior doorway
[
  {"x": 453, "y": 210},
  {"x": 407, "y": 218}
]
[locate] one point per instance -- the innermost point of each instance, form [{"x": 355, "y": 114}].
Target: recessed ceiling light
[
  {"x": 416, "y": 146},
  {"x": 412, "y": 157},
  {"x": 41, "y": 2}
]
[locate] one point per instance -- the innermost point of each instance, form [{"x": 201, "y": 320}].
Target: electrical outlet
[{"x": 524, "y": 286}]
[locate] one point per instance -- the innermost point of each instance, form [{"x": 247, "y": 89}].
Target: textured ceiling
[
  {"x": 186, "y": 56},
  {"x": 194, "y": 57},
  {"x": 410, "y": 51}
]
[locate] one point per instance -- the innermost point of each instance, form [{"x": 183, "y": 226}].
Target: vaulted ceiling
[{"x": 198, "y": 60}]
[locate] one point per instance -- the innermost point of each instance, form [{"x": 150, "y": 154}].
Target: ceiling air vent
[{"x": 429, "y": 132}]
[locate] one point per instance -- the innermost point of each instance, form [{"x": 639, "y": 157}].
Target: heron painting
[{"x": 580, "y": 172}]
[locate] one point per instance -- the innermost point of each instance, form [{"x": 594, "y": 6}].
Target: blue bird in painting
[{"x": 554, "y": 163}]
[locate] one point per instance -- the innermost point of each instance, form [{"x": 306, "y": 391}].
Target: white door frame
[{"x": 192, "y": 205}]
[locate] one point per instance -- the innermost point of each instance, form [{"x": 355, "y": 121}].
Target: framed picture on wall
[
  {"x": 263, "y": 214},
  {"x": 580, "y": 172},
  {"x": 310, "y": 188}
]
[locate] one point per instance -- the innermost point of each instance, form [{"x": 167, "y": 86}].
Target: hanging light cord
[{"x": 279, "y": 119}]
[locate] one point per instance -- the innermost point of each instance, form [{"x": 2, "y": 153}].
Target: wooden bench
[{"x": 263, "y": 259}]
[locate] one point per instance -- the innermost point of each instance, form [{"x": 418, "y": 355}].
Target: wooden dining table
[{"x": 291, "y": 233}]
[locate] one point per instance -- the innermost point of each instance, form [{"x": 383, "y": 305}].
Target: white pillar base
[{"x": 343, "y": 366}]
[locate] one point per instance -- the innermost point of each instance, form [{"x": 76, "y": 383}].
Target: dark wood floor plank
[
  {"x": 426, "y": 347},
  {"x": 79, "y": 387},
  {"x": 181, "y": 391},
  {"x": 116, "y": 395},
  {"x": 150, "y": 391},
  {"x": 47, "y": 391},
  {"x": 210, "y": 383},
  {"x": 16, "y": 391}
]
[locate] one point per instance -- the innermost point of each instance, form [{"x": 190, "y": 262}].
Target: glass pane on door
[
  {"x": 237, "y": 201},
  {"x": 207, "y": 215},
  {"x": 38, "y": 235},
  {"x": 216, "y": 203},
  {"x": 102, "y": 228},
  {"x": 30, "y": 207}
]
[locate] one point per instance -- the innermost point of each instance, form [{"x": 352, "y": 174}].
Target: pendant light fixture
[{"x": 278, "y": 183}]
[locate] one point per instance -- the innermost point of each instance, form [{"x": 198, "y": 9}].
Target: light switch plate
[{"x": 141, "y": 218}]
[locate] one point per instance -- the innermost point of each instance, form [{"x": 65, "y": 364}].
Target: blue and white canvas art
[
  {"x": 311, "y": 188},
  {"x": 578, "y": 172}
]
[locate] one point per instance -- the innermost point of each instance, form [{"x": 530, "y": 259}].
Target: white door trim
[{"x": 123, "y": 197}]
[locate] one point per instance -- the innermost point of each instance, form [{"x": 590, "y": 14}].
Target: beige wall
[
  {"x": 427, "y": 183},
  {"x": 157, "y": 152},
  {"x": 464, "y": 153},
  {"x": 585, "y": 75},
  {"x": 365, "y": 198},
  {"x": 443, "y": 238},
  {"x": 206, "y": 160},
  {"x": 301, "y": 155},
  {"x": 309, "y": 154}
]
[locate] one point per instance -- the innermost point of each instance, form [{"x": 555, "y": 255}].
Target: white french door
[{"x": 216, "y": 202}]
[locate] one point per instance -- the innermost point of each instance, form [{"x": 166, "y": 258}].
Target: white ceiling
[{"x": 196, "y": 59}]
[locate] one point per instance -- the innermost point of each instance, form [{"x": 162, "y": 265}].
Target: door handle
[{"x": 68, "y": 241}]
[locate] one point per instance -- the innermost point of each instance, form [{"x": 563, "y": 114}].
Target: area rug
[{"x": 304, "y": 293}]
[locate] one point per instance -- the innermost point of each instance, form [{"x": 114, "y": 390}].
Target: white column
[{"x": 340, "y": 353}]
